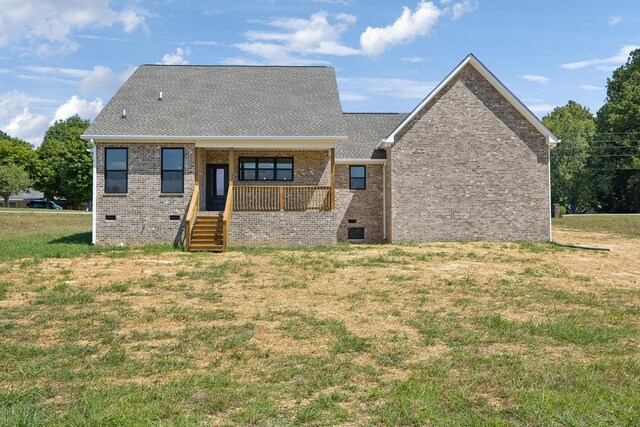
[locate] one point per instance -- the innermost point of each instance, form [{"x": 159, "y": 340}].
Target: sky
[{"x": 64, "y": 57}]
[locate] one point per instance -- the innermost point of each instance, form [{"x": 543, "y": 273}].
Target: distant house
[
  {"x": 253, "y": 155},
  {"x": 21, "y": 200}
]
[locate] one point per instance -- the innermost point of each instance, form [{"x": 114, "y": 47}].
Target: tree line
[
  {"x": 60, "y": 167},
  {"x": 596, "y": 167}
]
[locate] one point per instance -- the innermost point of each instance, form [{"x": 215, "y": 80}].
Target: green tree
[
  {"x": 64, "y": 163},
  {"x": 16, "y": 151},
  {"x": 13, "y": 179},
  {"x": 618, "y": 123},
  {"x": 570, "y": 179}
]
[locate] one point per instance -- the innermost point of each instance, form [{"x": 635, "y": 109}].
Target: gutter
[{"x": 212, "y": 138}]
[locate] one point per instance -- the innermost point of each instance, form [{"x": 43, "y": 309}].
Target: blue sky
[{"x": 62, "y": 57}]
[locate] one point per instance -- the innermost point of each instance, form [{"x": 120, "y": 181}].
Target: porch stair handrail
[
  {"x": 192, "y": 214},
  {"x": 226, "y": 217}
]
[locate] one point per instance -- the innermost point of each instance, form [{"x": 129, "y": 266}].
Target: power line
[{"x": 612, "y": 169}]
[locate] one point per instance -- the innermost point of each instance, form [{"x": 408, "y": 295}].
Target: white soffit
[{"x": 552, "y": 140}]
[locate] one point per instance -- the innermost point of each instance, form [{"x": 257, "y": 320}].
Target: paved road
[{"x": 43, "y": 211}]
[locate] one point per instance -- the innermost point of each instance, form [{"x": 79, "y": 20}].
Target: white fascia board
[
  {"x": 265, "y": 144},
  {"x": 497, "y": 84},
  {"x": 361, "y": 161},
  {"x": 152, "y": 138}
]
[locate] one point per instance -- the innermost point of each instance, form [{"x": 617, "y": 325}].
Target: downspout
[
  {"x": 550, "y": 206},
  {"x": 384, "y": 201},
  {"x": 94, "y": 196}
]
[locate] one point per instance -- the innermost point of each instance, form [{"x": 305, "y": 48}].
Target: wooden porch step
[
  {"x": 210, "y": 218},
  {"x": 208, "y": 229},
  {"x": 210, "y": 247},
  {"x": 207, "y": 234}
]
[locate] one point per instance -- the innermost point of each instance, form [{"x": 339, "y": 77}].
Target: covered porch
[{"x": 253, "y": 185}]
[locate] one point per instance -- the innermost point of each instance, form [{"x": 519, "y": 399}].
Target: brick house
[{"x": 249, "y": 155}]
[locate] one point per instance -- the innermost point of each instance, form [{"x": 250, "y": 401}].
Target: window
[
  {"x": 357, "y": 177},
  {"x": 266, "y": 169},
  {"x": 355, "y": 233},
  {"x": 172, "y": 170},
  {"x": 116, "y": 170}
]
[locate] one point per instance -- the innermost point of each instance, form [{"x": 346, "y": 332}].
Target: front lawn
[{"x": 470, "y": 333}]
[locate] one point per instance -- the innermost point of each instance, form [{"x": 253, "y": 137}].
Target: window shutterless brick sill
[
  {"x": 115, "y": 195},
  {"x": 171, "y": 194}
]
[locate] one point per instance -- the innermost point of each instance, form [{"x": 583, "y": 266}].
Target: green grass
[
  {"x": 53, "y": 235},
  {"x": 620, "y": 225},
  {"x": 473, "y": 333}
]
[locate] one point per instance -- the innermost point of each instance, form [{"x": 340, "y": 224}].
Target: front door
[{"x": 217, "y": 186}]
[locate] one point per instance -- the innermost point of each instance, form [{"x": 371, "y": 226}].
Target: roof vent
[
  {"x": 160, "y": 97},
  {"x": 124, "y": 114}
]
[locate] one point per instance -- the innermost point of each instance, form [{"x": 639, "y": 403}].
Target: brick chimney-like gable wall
[{"x": 469, "y": 166}]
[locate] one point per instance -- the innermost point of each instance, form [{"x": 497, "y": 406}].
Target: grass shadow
[{"x": 73, "y": 239}]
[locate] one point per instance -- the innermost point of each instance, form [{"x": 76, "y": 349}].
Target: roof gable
[
  {"x": 200, "y": 102},
  {"x": 552, "y": 140}
]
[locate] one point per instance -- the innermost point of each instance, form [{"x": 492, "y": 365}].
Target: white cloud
[
  {"x": 102, "y": 78},
  {"x": 466, "y": 6},
  {"x": 537, "y": 79},
  {"x": 212, "y": 12},
  {"x": 47, "y": 79},
  {"x": 591, "y": 87},
  {"x": 94, "y": 37},
  {"x": 131, "y": 19},
  {"x": 605, "y": 64},
  {"x": 413, "y": 58},
  {"x": 19, "y": 119},
  {"x": 205, "y": 43},
  {"x": 69, "y": 72},
  {"x": 350, "y": 96},
  {"x": 541, "y": 108},
  {"x": 12, "y": 103},
  {"x": 390, "y": 87},
  {"x": 615, "y": 20},
  {"x": 46, "y": 26},
  {"x": 375, "y": 40},
  {"x": 296, "y": 37},
  {"x": 177, "y": 58},
  {"x": 269, "y": 54},
  {"x": 28, "y": 126},
  {"x": 74, "y": 105}
]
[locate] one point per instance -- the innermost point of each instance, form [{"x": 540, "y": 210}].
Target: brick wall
[
  {"x": 365, "y": 206},
  {"x": 289, "y": 228},
  {"x": 469, "y": 166},
  {"x": 142, "y": 214}
]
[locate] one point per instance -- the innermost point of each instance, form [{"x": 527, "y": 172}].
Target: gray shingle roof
[
  {"x": 365, "y": 131},
  {"x": 224, "y": 101}
]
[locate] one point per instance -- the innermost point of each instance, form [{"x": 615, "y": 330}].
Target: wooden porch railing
[
  {"x": 226, "y": 217},
  {"x": 287, "y": 198},
  {"x": 192, "y": 213}
]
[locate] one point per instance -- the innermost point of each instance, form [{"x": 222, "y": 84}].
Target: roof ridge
[
  {"x": 235, "y": 66},
  {"x": 357, "y": 112}
]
